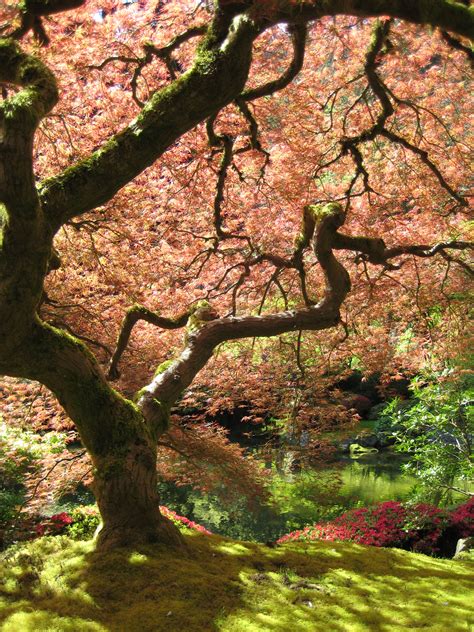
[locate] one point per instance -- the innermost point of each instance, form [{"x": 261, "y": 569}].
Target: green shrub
[
  {"x": 437, "y": 431},
  {"x": 19, "y": 455},
  {"x": 86, "y": 519}
]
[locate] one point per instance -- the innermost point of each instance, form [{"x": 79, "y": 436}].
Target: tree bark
[
  {"x": 125, "y": 488},
  {"x": 118, "y": 437}
]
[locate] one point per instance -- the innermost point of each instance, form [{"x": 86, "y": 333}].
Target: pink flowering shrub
[
  {"x": 183, "y": 521},
  {"x": 462, "y": 519},
  {"x": 54, "y": 525},
  {"x": 392, "y": 524}
]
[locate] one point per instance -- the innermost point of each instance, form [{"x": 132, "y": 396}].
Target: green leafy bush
[
  {"x": 19, "y": 453},
  {"x": 85, "y": 520},
  {"x": 437, "y": 431}
]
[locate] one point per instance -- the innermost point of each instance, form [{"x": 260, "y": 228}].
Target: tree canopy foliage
[{"x": 176, "y": 176}]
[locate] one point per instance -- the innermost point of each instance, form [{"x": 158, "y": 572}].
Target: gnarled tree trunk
[
  {"x": 120, "y": 440},
  {"x": 125, "y": 487}
]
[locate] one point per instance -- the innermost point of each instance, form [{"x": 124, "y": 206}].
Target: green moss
[
  {"x": 163, "y": 367},
  {"x": 319, "y": 211},
  {"x": 162, "y": 416},
  {"x": 201, "y": 313},
  {"x": 218, "y": 584},
  {"x": 39, "y": 93}
]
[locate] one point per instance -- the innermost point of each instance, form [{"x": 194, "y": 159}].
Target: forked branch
[
  {"x": 298, "y": 37},
  {"x": 321, "y": 227},
  {"x": 133, "y": 315},
  {"x": 167, "y": 386}
]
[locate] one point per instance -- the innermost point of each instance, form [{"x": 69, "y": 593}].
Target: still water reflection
[
  {"x": 301, "y": 495},
  {"x": 375, "y": 478}
]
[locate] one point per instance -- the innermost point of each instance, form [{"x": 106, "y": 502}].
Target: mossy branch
[
  {"x": 39, "y": 91},
  {"x": 448, "y": 15},
  {"x": 216, "y": 79},
  {"x": 133, "y": 315},
  {"x": 168, "y": 385}
]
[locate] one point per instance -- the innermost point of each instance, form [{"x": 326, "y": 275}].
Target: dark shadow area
[{"x": 217, "y": 584}]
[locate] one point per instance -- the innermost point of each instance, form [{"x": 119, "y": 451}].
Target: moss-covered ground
[{"x": 56, "y": 584}]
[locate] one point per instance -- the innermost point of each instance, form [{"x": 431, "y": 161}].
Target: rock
[
  {"x": 367, "y": 440},
  {"x": 385, "y": 440},
  {"x": 379, "y": 440},
  {"x": 356, "y": 450},
  {"x": 345, "y": 445},
  {"x": 464, "y": 545},
  {"x": 360, "y": 403}
]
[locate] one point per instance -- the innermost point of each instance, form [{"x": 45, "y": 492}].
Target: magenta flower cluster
[
  {"x": 418, "y": 527},
  {"x": 462, "y": 519},
  {"x": 55, "y": 525},
  {"x": 177, "y": 519}
]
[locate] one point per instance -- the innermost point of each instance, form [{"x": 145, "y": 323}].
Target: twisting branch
[
  {"x": 227, "y": 155},
  {"x": 302, "y": 242},
  {"x": 150, "y": 52},
  {"x": 351, "y": 145},
  {"x": 226, "y": 142},
  {"x": 298, "y": 37},
  {"x": 382, "y": 93},
  {"x": 321, "y": 226},
  {"x": 31, "y": 13},
  {"x": 133, "y": 315},
  {"x": 424, "y": 157},
  {"x": 253, "y": 134},
  {"x": 167, "y": 386},
  {"x": 374, "y": 250},
  {"x": 445, "y": 14},
  {"x": 458, "y": 45},
  {"x": 450, "y": 259}
]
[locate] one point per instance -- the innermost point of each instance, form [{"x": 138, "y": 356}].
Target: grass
[{"x": 56, "y": 584}]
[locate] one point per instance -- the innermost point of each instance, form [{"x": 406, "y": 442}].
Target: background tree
[
  {"x": 273, "y": 163},
  {"x": 436, "y": 429}
]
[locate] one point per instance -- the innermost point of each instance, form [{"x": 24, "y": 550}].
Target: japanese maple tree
[{"x": 207, "y": 161}]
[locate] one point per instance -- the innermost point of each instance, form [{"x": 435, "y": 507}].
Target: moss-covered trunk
[
  {"x": 120, "y": 441},
  {"x": 125, "y": 487}
]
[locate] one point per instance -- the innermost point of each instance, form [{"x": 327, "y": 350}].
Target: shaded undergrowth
[{"x": 55, "y": 584}]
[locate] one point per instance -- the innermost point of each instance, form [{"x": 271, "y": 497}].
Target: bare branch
[
  {"x": 227, "y": 155},
  {"x": 458, "y": 45},
  {"x": 298, "y": 38},
  {"x": 374, "y": 250},
  {"x": 424, "y": 156},
  {"x": 133, "y": 315},
  {"x": 31, "y": 13},
  {"x": 350, "y": 145},
  {"x": 167, "y": 386},
  {"x": 151, "y": 51}
]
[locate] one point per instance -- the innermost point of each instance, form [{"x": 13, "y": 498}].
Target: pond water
[
  {"x": 376, "y": 477},
  {"x": 302, "y": 496}
]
